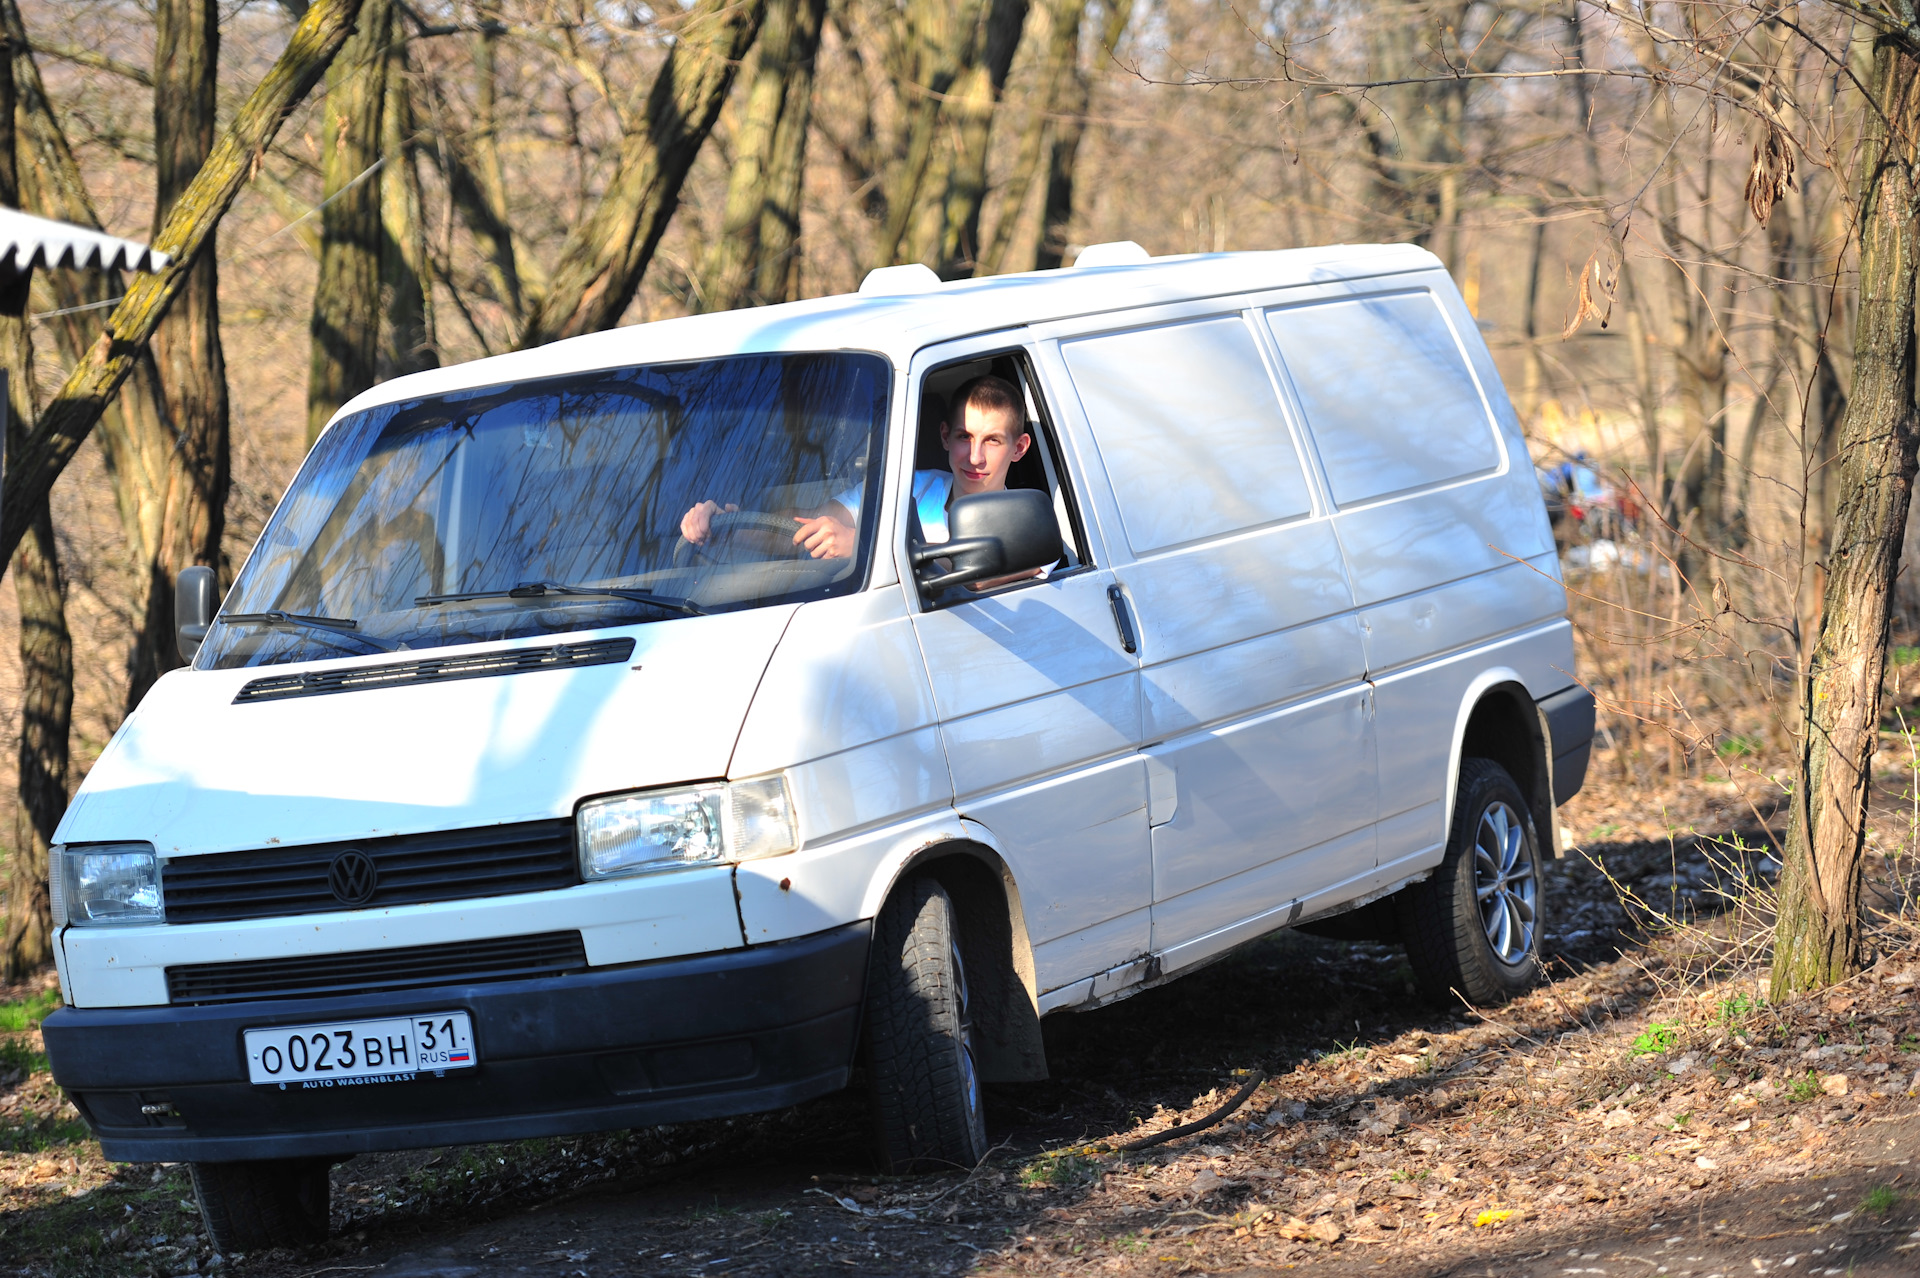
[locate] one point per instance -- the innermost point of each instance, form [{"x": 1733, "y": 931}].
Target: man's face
[{"x": 981, "y": 447}]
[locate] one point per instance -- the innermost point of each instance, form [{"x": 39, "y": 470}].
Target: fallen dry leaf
[
  {"x": 1834, "y": 1084},
  {"x": 1492, "y": 1216}
]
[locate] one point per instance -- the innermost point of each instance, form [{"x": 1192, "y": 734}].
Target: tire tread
[
  {"x": 918, "y": 1092},
  {"x": 253, "y": 1205}
]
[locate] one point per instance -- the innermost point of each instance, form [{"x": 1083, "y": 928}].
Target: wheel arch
[
  {"x": 994, "y": 945},
  {"x": 1498, "y": 720}
]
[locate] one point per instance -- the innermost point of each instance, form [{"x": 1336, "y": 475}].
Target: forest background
[{"x": 1651, "y": 211}]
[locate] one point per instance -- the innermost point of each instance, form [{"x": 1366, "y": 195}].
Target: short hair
[{"x": 990, "y": 394}]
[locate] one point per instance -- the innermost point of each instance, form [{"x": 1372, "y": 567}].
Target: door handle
[{"x": 1122, "y": 618}]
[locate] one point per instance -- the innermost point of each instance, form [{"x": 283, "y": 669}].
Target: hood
[{"x": 191, "y": 771}]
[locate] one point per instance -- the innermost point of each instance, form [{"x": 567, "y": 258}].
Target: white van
[{"x": 492, "y": 806}]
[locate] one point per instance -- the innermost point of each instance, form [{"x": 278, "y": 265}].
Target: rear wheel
[
  {"x": 923, "y": 1075},
  {"x": 1475, "y": 926},
  {"x": 250, "y": 1206}
]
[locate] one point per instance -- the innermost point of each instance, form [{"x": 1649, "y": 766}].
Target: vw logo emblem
[{"x": 353, "y": 877}]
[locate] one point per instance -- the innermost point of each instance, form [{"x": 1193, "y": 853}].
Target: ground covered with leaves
[{"x": 1647, "y": 1112}]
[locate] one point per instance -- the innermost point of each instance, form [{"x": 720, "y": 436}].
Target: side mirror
[
  {"x": 193, "y": 605},
  {"x": 994, "y": 535}
]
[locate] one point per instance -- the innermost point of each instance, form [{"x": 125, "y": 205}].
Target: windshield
[{"x": 559, "y": 505}]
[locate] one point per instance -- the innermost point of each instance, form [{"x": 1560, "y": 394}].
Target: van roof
[{"x": 897, "y": 325}]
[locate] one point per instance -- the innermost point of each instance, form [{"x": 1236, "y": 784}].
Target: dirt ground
[{"x": 1645, "y": 1113}]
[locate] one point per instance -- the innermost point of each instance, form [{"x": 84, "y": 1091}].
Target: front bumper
[{"x": 661, "y": 1042}]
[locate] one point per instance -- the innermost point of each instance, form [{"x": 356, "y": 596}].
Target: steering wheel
[{"x": 726, "y": 523}]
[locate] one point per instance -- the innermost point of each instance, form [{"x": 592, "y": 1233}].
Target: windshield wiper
[
  {"x": 344, "y": 627},
  {"x": 541, "y": 589}
]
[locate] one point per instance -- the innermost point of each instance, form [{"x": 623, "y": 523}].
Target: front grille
[
  {"x": 507, "y": 958},
  {"x": 448, "y": 865},
  {"x": 402, "y": 674}
]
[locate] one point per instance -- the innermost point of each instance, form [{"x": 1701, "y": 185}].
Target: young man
[{"x": 984, "y": 434}]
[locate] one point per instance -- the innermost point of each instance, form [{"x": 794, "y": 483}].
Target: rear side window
[
  {"x": 1386, "y": 392},
  {"x": 1191, "y": 431}
]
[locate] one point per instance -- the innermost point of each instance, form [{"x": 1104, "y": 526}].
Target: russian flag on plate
[{"x": 457, "y": 1056}]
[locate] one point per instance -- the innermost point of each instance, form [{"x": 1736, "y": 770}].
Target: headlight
[
  {"x": 692, "y": 825},
  {"x": 106, "y": 883}
]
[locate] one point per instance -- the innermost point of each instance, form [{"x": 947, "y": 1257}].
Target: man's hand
[
  {"x": 697, "y": 523},
  {"x": 825, "y": 537}
]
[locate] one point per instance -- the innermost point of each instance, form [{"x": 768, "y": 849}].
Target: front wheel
[
  {"x": 923, "y": 1076},
  {"x": 1475, "y": 926},
  {"x": 275, "y": 1203}
]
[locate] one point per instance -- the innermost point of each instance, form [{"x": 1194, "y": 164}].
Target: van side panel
[
  {"x": 1446, "y": 541},
  {"x": 1256, "y": 714}
]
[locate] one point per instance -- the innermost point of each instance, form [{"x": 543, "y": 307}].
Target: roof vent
[
  {"x": 1113, "y": 253},
  {"x": 899, "y": 281}
]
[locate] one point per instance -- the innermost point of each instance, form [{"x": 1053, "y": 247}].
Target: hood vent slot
[{"x": 401, "y": 674}]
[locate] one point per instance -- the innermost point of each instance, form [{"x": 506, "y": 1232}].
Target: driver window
[{"x": 1039, "y": 468}]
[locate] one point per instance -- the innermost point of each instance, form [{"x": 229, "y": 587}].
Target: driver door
[{"x": 1038, "y": 695}]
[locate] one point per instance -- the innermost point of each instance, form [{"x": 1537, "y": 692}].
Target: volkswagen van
[{"x": 491, "y": 806}]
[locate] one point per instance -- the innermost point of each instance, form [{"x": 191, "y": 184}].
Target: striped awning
[{"x": 28, "y": 242}]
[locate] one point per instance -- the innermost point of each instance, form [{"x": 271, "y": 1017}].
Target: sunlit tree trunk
[
  {"x": 752, "y": 259},
  {"x": 604, "y": 257},
  {"x": 174, "y": 465},
  {"x": 344, "y": 329},
  {"x": 411, "y": 343},
  {"x": 975, "y": 103},
  {"x": 1058, "y": 64},
  {"x": 1056, "y": 215},
  {"x": 937, "y": 44},
  {"x": 776, "y": 276},
  {"x": 1817, "y": 936}
]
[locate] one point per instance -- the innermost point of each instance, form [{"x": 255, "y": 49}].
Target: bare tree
[
  {"x": 1818, "y": 939},
  {"x": 77, "y": 407},
  {"x": 602, "y": 262}
]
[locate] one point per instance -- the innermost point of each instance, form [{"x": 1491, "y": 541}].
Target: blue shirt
[{"x": 931, "y": 490}]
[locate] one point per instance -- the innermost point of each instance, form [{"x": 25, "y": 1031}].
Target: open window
[{"x": 1041, "y": 469}]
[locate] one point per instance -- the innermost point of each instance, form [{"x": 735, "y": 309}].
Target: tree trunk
[
  {"x": 940, "y": 42},
  {"x": 98, "y": 376},
  {"x": 46, "y": 650},
  {"x": 411, "y": 343},
  {"x": 751, "y": 261},
  {"x": 177, "y": 465},
  {"x": 604, "y": 258},
  {"x": 776, "y": 275},
  {"x": 1056, "y": 216},
  {"x": 1817, "y": 935},
  {"x": 344, "y": 331},
  {"x": 975, "y": 102},
  {"x": 51, "y": 186},
  {"x": 1059, "y": 63},
  {"x": 46, "y": 711}
]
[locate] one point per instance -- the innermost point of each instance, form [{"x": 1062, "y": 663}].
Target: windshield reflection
[{"x": 428, "y": 522}]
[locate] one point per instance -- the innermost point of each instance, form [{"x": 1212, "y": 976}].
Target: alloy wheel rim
[
  {"x": 1504, "y": 884},
  {"x": 969, "y": 1070}
]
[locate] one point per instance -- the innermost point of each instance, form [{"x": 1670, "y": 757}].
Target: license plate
[{"x": 368, "y": 1051}]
